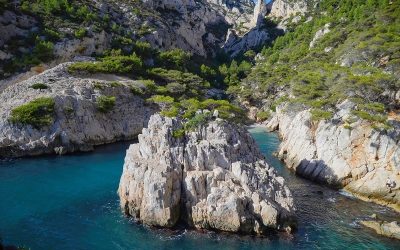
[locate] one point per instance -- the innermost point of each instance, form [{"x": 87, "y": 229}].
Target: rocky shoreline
[
  {"x": 361, "y": 160},
  {"x": 212, "y": 178}
]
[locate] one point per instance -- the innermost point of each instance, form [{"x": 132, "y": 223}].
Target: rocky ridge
[
  {"x": 357, "y": 158},
  {"x": 77, "y": 123},
  {"x": 211, "y": 178}
]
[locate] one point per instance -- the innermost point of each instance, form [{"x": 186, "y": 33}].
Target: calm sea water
[{"x": 70, "y": 202}]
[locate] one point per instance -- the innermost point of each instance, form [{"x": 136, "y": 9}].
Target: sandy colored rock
[{"x": 388, "y": 229}]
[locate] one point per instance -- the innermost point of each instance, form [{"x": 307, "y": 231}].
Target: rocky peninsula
[
  {"x": 80, "y": 111},
  {"x": 213, "y": 177}
]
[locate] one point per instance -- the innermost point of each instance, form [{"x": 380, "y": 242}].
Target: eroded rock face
[
  {"x": 213, "y": 178},
  {"x": 198, "y": 26},
  {"x": 284, "y": 8},
  {"x": 359, "y": 158},
  {"x": 77, "y": 123}
]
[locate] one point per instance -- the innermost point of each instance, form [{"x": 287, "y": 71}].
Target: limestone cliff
[
  {"x": 286, "y": 8},
  {"x": 77, "y": 124},
  {"x": 212, "y": 178},
  {"x": 355, "y": 157}
]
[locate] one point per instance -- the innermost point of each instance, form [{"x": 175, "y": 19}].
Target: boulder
[{"x": 211, "y": 178}]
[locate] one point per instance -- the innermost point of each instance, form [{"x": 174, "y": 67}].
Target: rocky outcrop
[
  {"x": 212, "y": 178},
  {"x": 353, "y": 156},
  {"x": 388, "y": 229},
  {"x": 77, "y": 124},
  {"x": 319, "y": 34},
  {"x": 198, "y": 26},
  {"x": 285, "y": 9},
  {"x": 235, "y": 44}
]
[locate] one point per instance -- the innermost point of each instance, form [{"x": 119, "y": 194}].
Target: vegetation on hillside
[
  {"x": 358, "y": 59},
  {"x": 38, "y": 113},
  {"x": 66, "y": 19},
  {"x": 105, "y": 103}
]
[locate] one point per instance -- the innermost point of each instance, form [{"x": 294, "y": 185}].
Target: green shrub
[
  {"x": 37, "y": 113},
  {"x": 174, "y": 59},
  {"x": 179, "y": 133},
  {"x": 143, "y": 49},
  {"x": 374, "y": 106},
  {"x": 116, "y": 84},
  {"x": 43, "y": 50},
  {"x": 110, "y": 64},
  {"x": 52, "y": 34},
  {"x": 175, "y": 88},
  {"x": 105, "y": 103},
  {"x": 149, "y": 85},
  {"x": 318, "y": 114},
  {"x": 173, "y": 111},
  {"x": 195, "y": 84},
  {"x": 161, "y": 99},
  {"x": 370, "y": 117},
  {"x": 262, "y": 115},
  {"x": 99, "y": 85},
  {"x": 136, "y": 90},
  {"x": 347, "y": 126},
  {"x": 39, "y": 86},
  {"x": 80, "y": 33},
  {"x": 196, "y": 121}
]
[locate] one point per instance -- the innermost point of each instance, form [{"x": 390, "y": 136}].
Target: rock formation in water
[
  {"x": 76, "y": 123},
  {"x": 211, "y": 178},
  {"x": 360, "y": 159}
]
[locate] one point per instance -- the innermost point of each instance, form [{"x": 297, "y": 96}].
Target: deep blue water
[{"x": 70, "y": 202}]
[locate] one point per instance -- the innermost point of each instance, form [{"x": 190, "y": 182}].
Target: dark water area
[{"x": 70, "y": 202}]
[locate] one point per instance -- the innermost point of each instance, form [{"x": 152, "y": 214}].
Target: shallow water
[{"x": 70, "y": 202}]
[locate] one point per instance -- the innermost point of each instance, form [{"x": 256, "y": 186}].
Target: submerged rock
[
  {"x": 388, "y": 229},
  {"x": 212, "y": 178}
]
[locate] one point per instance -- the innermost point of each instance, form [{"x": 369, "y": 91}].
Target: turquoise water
[{"x": 70, "y": 202}]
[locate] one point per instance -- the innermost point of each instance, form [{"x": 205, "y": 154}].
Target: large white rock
[{"x": 211, "y": 178}]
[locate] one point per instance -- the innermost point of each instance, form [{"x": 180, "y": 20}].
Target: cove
[{"x": 70, "y": 202}]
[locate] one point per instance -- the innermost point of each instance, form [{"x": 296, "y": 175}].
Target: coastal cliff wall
[{"x": 357, "y": 158}]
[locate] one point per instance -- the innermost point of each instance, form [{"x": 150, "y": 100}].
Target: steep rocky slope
[
  {"x": 360, "y": 159},
  {"x": 59, "y": 30},
  {"x": 211, "y": 178},
  {"x": 331, "y": 86},
  {"x": 75, "y": 122}
]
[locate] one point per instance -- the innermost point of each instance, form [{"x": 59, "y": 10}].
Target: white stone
[{"x": 211, "y": 178}]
